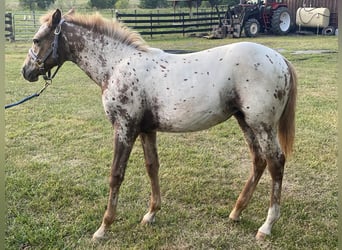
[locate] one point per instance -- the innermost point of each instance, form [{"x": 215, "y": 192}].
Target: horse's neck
[{"x": 96, "y": 54}]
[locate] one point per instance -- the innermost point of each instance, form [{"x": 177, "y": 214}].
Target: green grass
[{"x": 59, "y": 152}]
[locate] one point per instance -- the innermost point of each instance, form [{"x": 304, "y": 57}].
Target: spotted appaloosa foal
[{"x": 145, "y": 90}]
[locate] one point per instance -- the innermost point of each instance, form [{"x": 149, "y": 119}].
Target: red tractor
[{"x": 254, "y": 17}]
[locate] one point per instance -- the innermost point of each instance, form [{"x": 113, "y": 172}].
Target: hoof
[
  {"x": 234, "y": 216},
  {"x": 99, "y": 234},
  {"x": 260, "y": 236},
  {"x": 234, "y": 219},
  {"x": 97, "y": 238},
  {"x": 149, "y": 218}
]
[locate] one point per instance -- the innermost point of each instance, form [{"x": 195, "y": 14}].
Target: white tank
[{"x": 313, "y": 17}]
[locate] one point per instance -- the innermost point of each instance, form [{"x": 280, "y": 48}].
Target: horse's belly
[
  {"x": 189, "y": 121},
  {"x": 192, "y": 109}
]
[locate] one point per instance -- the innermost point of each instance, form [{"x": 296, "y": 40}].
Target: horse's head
[{"x": 45, "y": 51}]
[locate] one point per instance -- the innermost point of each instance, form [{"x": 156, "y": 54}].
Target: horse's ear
[{"x": 56, "y": 18}]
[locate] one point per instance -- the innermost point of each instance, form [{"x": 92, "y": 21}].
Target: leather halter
[{"x": 52, "y": 51}]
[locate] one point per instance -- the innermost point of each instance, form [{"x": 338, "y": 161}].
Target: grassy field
[{"x": 59, "y": 151}]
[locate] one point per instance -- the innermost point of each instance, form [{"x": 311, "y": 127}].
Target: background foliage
[
  {"x": 102, "y": 4},
  {"x": 34, "y": 4}
]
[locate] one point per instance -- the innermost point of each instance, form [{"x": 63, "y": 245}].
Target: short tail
[{"x": 286, "y": 127}]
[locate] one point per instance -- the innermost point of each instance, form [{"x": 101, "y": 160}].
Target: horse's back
[{"x": 199, "y": 90}]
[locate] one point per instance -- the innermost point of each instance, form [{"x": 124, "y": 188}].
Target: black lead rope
[
  {"x": 47, "y": 83},
  {"x": 48, "y": 80}
]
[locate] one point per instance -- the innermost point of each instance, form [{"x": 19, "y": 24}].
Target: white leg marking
[{"x": 272, "y": 216}]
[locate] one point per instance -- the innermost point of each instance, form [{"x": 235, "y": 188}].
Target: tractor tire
[
  {"x": 281, "y": 21},
  {"x": 252, "y": 27}
]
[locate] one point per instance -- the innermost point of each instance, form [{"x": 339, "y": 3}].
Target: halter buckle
[{"x": 58, "y": 29}]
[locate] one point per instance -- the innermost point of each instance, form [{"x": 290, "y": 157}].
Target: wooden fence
[
  {"x": 9, "y": 34},
  {"x": 183, "y": 23},
  {"x": 24, "y": 24}
]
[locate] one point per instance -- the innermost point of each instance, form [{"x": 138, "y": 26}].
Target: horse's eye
[{"x": 35, "y": 41}]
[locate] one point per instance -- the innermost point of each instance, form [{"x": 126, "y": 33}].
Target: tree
[
  {"x": 33, "y": 4},
  {"x": 102, "y": 4},
  {"x": 64, "y": 4},
  {"x": 122, "y": 4},
  {"x": 152, "y": 4}
]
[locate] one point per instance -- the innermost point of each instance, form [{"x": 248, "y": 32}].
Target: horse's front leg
[
  {"x": 148, "y": 141},
  {"x": 122, "y": 149}
]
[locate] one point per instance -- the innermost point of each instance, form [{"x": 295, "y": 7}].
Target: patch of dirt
[{"x": 319, "y": 51}]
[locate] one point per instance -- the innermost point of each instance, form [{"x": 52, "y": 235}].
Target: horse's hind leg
[
  {"x": 148, "y": 141},
  {"x": 265, "y": 150},
  {"x": 275, "y": 162},
  {"x": 257, "y": 169}
]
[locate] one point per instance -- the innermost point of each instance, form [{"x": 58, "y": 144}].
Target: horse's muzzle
[{"x": 30, "y": 76}]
